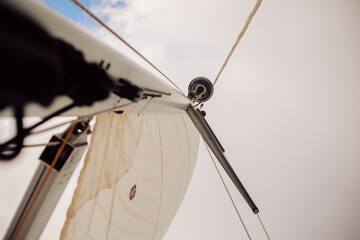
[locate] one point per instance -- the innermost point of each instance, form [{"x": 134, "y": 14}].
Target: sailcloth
[{"x": 135, "y": 175}]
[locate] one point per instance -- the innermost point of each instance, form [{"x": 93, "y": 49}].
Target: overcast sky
[{"x": 286, "y": 109}]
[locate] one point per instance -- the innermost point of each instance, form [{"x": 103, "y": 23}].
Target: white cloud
[
  {"x": 125, "y": 16},
  {"x": 169, "y": 33}
]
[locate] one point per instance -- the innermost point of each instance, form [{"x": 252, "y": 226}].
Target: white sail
[{"x": 154, "y": 153}]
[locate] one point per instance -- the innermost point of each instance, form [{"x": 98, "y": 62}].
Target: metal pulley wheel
[{"x": 200, "y": 89}]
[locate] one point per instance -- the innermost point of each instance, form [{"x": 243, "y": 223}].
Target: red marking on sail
[{"x": 132, "y": 192}]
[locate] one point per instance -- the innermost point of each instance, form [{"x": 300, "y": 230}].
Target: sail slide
[{"x": 135, "y": 176}]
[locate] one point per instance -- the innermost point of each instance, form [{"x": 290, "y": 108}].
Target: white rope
[
  {"x": 233, "y": 203},
  {"x": 248, "y": 20}
]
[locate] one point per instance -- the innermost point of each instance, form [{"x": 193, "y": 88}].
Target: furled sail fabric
[{"x": 135, "y": 176}]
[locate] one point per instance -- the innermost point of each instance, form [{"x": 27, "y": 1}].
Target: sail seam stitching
[
  {"x": 114, "y": 191},
  {"x": 181, "y": 163},
  {"x": 162, "y": 178},
  {"x": 190, "y": 159},
  {"x": 102, "y": 168}
]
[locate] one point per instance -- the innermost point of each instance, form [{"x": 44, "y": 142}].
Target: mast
[{"x": 48, "y": 185}]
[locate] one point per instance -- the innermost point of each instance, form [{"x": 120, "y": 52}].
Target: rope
[
  {"x": 233, "y": 203},
  {"x": 248, "y": 20},
  {"x": 268, "y": 237},
  {"x": 31, "y": 205},
  {"x": 125, "y": 42}
]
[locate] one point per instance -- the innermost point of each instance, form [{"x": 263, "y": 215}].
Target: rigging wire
[
  {"x": 56, "y": 158},
  {"x": 55, "y": 114},
  {"x": 9, "y": 148},
  {"x": 243, "y": 30},
  {"x": 267, "y": 235},
  {"x": 125, "y": 42},
  {"x": 79, "y": 119},
  {"x": 26, "y": 131},
  {"x": 227, "y": 190},
  {"x": 22, "y": 132},
  {"x": 146, "y": 104}
]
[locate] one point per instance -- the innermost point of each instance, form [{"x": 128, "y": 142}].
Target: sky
[{"x": 286, "y": 109}]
